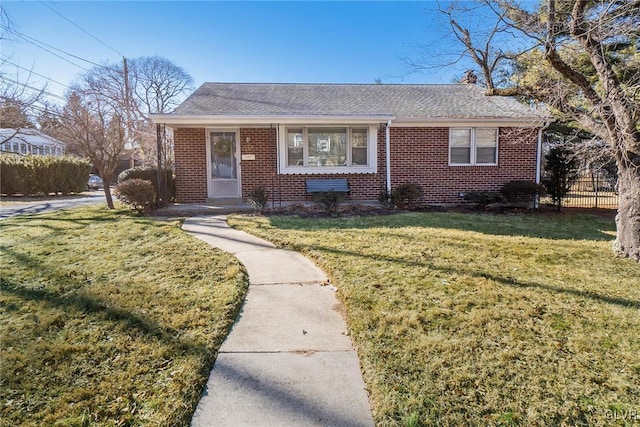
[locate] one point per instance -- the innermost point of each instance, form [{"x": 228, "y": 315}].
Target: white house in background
[{"x": 29, "y": 141}]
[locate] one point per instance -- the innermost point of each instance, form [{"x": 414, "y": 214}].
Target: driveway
[{"x": 12, "y": 208}]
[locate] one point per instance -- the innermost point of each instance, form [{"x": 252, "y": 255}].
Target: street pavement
[{"x": 13, "y": 208}]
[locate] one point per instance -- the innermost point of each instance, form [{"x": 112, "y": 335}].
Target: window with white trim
[
  {"x": 328, "y": 149},
  {"x": 473, "y": 146}
]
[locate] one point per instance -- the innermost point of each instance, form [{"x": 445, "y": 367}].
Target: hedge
[
  {"x": 520, "y": 192},
  {"x": 32, "y": 175}
]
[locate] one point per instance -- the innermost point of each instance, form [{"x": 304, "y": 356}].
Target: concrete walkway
[{"x": 288, "y": 360}]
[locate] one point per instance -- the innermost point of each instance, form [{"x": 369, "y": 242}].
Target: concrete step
[{"x": 224, "y": 201}]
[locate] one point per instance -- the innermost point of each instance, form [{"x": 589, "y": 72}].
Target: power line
[
  {"x": 29, "y": 38},
  {"x": 37, "y": 74},
  {"x": 32, "y": 88},
  {"x": 80, "y": 28},
  {"x": 38, "y": 43},
  {"x": 43, "y": 110},
  {"x": 33, "y": 41}
]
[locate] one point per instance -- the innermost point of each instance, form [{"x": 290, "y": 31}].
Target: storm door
[{"x": 223, "y": 164}]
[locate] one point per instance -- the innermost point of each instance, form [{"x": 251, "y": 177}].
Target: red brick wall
[
  {"x": 260, "y": 142},
  {"x": 421, "y": 156},
  {"x": 287, "y": 188},
  {"x": 190, "y": 152},
  {"x": 418, "y": 155}
]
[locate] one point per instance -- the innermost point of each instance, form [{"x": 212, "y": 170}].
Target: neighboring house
[
  {"x": 29, "y": 141},
  {"x": 450, "y": 139}
]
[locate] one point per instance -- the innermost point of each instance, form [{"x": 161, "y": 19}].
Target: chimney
[{"x": 469, "y": 77}]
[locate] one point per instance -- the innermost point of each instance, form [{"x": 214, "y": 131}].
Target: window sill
[
  {"x": 327, "y": 171},
  {"x": 472, "y": 165}
]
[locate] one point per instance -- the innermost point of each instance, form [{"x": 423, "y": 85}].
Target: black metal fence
[{"x": 591, "y": 190}]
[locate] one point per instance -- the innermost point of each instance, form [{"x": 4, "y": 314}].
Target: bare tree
[
  {"x": 108, "y": 109},
  {"x": 93, "y": 122},
  {"x": 19, "y": 99},
  {"x": 158, "y": 86},
  {"x": 483, "y": 37},
  {"x": 19, "y": 102},
  {"x": 581, "y": 59}
]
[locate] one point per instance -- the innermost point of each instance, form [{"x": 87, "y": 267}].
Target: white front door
[{"x": 223, "y": 168}]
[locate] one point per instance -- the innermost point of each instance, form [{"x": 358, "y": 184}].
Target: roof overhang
[
  {"x": 177, "y": 120},
  {"x": 530, "y": 122},
  {"x": 189, "y": 120}
]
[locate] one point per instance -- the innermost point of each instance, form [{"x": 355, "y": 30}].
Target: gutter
[{"x": 267, "y": 120}]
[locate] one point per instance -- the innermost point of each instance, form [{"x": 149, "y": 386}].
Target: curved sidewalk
[{"x": 288, "y": 360}]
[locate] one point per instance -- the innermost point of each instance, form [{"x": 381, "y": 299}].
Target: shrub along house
[{"x": 230, "y": 138}]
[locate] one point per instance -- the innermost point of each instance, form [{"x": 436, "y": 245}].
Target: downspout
[
  {"x": 387, "y": 146},
  {"x": 277, "y": 167},
  {"x": 279, "y": 175},
  {"x": 539, "y": 158}
]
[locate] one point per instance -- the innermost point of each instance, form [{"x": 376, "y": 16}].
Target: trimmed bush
[
  {"x": 258, "y": 198},
  {"x": 404, "y": 196},
  {"x": 32, "y": 175},
  {"x": 385, "y": 199},
  {"x": 483, "y": 198},
  {"x": 330, "y": 200},
  {"x": 150, "y": 174},
  {"x": 137, "y": 193},
  {"x": 521, "y": 193}
]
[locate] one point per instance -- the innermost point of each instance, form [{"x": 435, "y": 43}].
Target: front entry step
[{"x": 224, "y": 201}]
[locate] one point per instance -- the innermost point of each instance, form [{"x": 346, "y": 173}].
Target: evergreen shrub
[
  {"x": 34, "y": 175},
  {"x": 150, "y": 174},
  {"x": 137, "y": 193}
]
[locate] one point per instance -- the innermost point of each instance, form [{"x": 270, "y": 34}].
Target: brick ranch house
[{"x": 230, "y": 138}]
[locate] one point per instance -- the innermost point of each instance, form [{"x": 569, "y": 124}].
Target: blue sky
[{"x": 333, "y": 42}]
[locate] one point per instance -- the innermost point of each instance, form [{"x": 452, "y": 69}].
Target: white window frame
[
  {"x": 372, "y": 151},
  {"x": 474, "y": 147}
]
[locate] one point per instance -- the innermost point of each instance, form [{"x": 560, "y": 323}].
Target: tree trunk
[
  {"x": 627, "y": 243},
  {"x": 107, "y": 195},
  {"x": 106, "y": 183}
]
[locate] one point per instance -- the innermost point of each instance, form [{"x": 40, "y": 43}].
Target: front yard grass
[
  {"x": 109, "y": 319},
  {"x": 492, "y": 320}
]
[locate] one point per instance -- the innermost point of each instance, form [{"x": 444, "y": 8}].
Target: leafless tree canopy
[
  {"x": 107, "y": 110},
  {"x": 158, "y": 84},
  {"x": 19, "y": 102},
  {"x": 94, "y": 122}
]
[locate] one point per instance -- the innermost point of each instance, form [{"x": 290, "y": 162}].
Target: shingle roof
[
  {"x": 402, "y": 101},
  {"x": 30, "y": 136}
]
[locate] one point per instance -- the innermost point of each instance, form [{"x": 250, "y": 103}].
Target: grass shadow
[
  {"x": 83, "y": 219},
  {"x": 68, "y": 295},
  {"x": 83, "y": 303},
  {"x": 570, "y": 227},
  {"x": 622, "y": 302}
]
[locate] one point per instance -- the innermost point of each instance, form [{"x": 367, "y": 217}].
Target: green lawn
[
  {"x": 107, "y": 318},
  {"x": 482, "y": 320}
]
